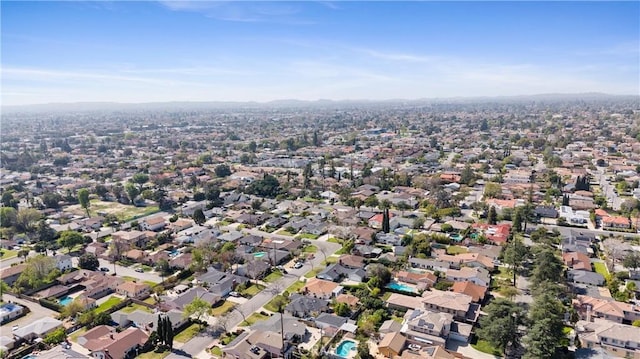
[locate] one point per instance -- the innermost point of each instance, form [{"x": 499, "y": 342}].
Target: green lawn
[
  {"x": 223, "y": 223},
  {"x": 252, "y": 290},
  {"x": 228, "y": 338},
  {"x": 216, "y": 351},
  {"x": 271, "y": 306},
  {"x": 453, "y": 250},
  {"x": 273, "y": 276},
  {"x": 253, "y": 318},
  {"x": 334, "y": 240},
  {"x": 188, "y": 333},
  {"x": 310, "y": 249},
  {"x": 485, "y": 347},
  {"x": 113, "y": 301},
  {"x": 283, "y": 232},
  {"x": 133, "y": 307},
  {"x": 78, "y": 333},
  {"x": 153, "y": 355},
  {"x": 222, "y": 309},
  {"x": 295, "y": 287},
  {"x": 8, "y": 253},
  {"x": 331, "y": 260},
  {"x": 601, "y": 268},
  {"x": 312, "y": 273},
  {"x": 308, "y": 236}
]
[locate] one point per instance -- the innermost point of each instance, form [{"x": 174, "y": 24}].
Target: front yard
[
  {"x": 153, "y": 355},
  {"x": 295, "y": 287},
  {"x": 253, "y": 318},
  {"x": 188, "y": 333},
  {"x": 273, "y": 276},
  {"x": 222, "y": 309},
  {"x": 252, "y": 290}
]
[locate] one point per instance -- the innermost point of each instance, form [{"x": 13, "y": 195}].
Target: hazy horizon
[{"x": 196, "y": 51}]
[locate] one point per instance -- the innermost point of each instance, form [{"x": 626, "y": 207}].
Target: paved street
[{"x": 129, "y": 272}]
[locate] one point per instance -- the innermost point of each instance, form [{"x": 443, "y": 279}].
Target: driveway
[{"x": 467, "y": 350}]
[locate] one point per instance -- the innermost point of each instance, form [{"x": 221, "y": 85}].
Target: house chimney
[{"x": 588, "y": 312}]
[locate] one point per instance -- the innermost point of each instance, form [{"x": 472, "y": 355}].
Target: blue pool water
[
  {"x": 345, "y": 347},
  {"x": 401, "y": 287},
  {"x": 30, "y": 356},
  {"x": 66, "y": 300},
  {"x": 259, "y": 254}
]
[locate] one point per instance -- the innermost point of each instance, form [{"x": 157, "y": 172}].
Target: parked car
[
  {"x": 298, "y": 265},
  {"x": 139, "y": 270},
  {"x": 234, "y": 294},
  {"x": 104, "y": 269}
]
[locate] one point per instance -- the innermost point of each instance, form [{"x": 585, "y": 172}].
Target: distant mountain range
[{"x": 186, "y": 105}]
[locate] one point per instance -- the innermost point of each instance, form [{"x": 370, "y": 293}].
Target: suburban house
[
  {"x": 336, "y": 272},
  {"x": 392, "y": 344},
  {"x": 63, "y": 262},
  {"x": 479, "y": 276},
  {"x": 37, "y": 329},
  {"x": 585, "y": 277},
  {"x": 477, "y": 292},
  {"x": 105, "y": 344},
  {"x": 428, "y": 327},
  {"x": 155, "y": 224},
  {"x": 303, "y": 306},
  {"x": 577, "y": 261},
  {"x": 134, "y": 290},
  {"x": 616, "y": 222},
  {"x": 618, "y": 340},
  {"x": 132, "y": 238},
  {"x": 460, "y": 305},
  {"x": 320, "y": 288},
  {"x": 422, "y": 280},
  {"x": 429, "y": 264},
  {"x": 611, "y": 310},
  {"x": 257, "y": 345}
]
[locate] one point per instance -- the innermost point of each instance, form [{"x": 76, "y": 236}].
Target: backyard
[
  {"x": 111, "y": 302},
  {"x": 601, "y": 268}
]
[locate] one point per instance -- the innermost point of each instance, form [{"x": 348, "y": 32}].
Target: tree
[
  {"x": 385, "y": 221},
  {"x": 198, "y": 216},
  {"x": 132, "y": 191},
  {"x": 517, "y": 221},
  {"x": 8, "y": 216},
  {"x": 72, "y": 309},
  {"x": 24, "y": 253},
  {"x": 492, "y": 190},
  {"x": 268, "y": 186},
  {"x": 83, "y": 198},
  {"x": 363, "y": 350},
  {"x": 4, "y": 287},
  {"x": 342, "y": 309},
  {"x": 492, "y": 216},
  {"x": 222, "y": 170},
  {"x": 467, "y": 175},
  {"x": 39, "y": 270},
  {"x": 88, "y": 261},
  {"x": 632, "y": 260},
  {"x": 548, "y": 268},
  {"x": 500, "y": 326},
  {"x": 545, "y": 334},
  {"x": 306, "y": 174},
  {"x": 514, "y": 254},
  {"x": 26, "y": 219},
  {"x": 70, "y": 239},
  {"x": 101, "y": 191},
  {"x": 198, "y": 308},
  {"x": 140, "y": 179},
  {"x": 56, "y": 337}
]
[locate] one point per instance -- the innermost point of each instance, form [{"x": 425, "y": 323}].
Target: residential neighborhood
[{"x": 392, "y": 230}]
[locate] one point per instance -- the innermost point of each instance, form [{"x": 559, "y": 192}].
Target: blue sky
[{"x": 236, "y": 51}]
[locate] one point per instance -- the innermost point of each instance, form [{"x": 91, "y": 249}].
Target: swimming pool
[
  {"x": 401, "y": 287},
  {"x": 30, "y": 356},
  {"x": 66, "y": 300},
  {"x": 345, "y": 348},
  {"x": 259, "y": 254}
]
